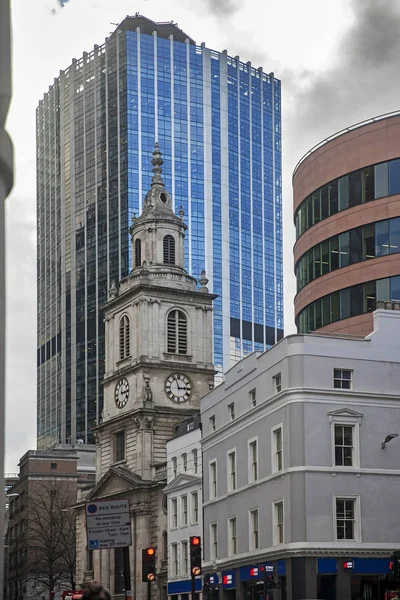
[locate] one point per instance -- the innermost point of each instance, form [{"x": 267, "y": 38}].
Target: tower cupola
[{"x": 158, "y": 234}]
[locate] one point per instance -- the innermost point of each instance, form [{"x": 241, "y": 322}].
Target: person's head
[{"x": 94, "y": 590}]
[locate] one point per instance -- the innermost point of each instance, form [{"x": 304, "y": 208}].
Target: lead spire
[{"x": 157, "y": 161}]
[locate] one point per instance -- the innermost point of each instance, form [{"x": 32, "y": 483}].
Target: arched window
[
  {"x": 138, "y": 252},
  {"x": 169, "y": 250},
  {"x": 177, "y": 332},
  {"x": 124, "y": 339}
]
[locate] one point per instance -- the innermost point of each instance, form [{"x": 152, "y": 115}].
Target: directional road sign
[{"x": 108, "y": 524}]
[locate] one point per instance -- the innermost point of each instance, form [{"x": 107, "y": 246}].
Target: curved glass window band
[
  {"x": 347, "y": 248},
  {"x": 348, "y": 302},
  {"x": 363, "y": 185}
]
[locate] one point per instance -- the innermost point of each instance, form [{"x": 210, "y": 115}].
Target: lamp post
[{"x": 388, "y": 438}]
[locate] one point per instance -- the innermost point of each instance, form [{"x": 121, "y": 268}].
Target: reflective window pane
[
  {"x": 369, "y": 296},
  {"x": 394, "y": 177},
  {"x": 324, "y": 202},
  {"x": 355, "y": 245},
  {"x": 368, "y": 187},
  {"x": 356, "y": 300},
  {"x": 345, "y": 304},
  {"x": 335, "y": 307},
  {"x": 343, "y": 187},
  {"x": 317, "y": 207},
  {"x": 324, "y": 258},
  {"x": 394, "y": 227},
  {"x": 383, "y": 289},
  {"x": 344, "y": 251},
  {"x": 381, "y": 180},
  {"x": 355, "y": 188},
  {"x": 334, "y": 252},
  {"x": 333, "y": 197},
  {"x": 395, "y": 288},
  {"x": 382, "y": 238},
  {"x": 368, "y": 232}
]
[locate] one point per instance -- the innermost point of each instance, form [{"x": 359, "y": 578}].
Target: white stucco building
[
  {"x": 297, "y": 477},
  {"x": 184, "y": 501}
]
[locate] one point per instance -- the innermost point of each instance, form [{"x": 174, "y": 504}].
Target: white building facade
[
  {"x": 298, "y": 481},
  {"x": 184, "y": 501}
]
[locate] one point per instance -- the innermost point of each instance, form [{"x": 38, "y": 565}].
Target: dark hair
[{"x": 94, "y": 590}]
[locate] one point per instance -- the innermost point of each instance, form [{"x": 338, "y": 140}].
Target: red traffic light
[
  {"x": 195, "y": 541},
  {"x": 150, "y": 551}
]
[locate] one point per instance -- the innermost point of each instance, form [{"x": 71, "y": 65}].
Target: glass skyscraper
[{"x": 218, "y": 123}]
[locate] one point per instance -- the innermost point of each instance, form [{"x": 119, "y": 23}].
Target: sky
[{"x": 338, "y": 63}]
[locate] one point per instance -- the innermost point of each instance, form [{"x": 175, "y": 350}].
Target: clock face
[
  {"x": 121, "y": 393},
  {"x": 178, "y": 387}
]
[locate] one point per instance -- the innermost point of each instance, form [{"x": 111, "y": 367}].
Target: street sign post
[{"x": 108, "y": 526}]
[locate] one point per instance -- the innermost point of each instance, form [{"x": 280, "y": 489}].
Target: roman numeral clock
[{"x": 178, "y": 388}]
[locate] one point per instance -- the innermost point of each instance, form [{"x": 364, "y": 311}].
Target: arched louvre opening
[
  {"x": 138, "y": 252},
  {"x": 177, "y": 332},
  {"x": 124, "y": 338},
  {"x": 169, "y": 250}
]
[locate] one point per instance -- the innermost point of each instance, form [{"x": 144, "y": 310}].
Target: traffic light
[
  {"x": 148, "y": 564},
  {"x": 195, "y": 555}
]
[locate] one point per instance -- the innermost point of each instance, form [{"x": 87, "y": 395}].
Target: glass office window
[
  {"x": 355, "y": 245},
  {"x": 381, "y": 180},
  {"x": 394, "y": 177},
  {"x": 368, "y": 234},
  {"x": 345, "y": 303},
  {"x": 355, "y": 196},
  {"x": 317, "y": 261},
  {"x": 324, "y": 202},
  {"x": 344, "y": 250},
  {"x": 383, "y": 289},
  {"x": 369, "y": 296},
  {"x": 356, "y": 300},
  {"x": 395, "y": 288},
  {"x": 333, "y": 197},
  {"x": 325, "y": 311},
  {"x": 343, "y": 187},
  {"x": 394, "y": 227},
  {"x": 368, "y": 188},
  {"x": 316, "y": 206},
  {"x": 382, "y": 238},
  {"x": 325, "y": 258},
  {"x": 335, "y": 306},
  {"x": 334, "y": 252}
]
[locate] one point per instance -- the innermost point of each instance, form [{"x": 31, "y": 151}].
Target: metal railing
[{"x": 343, "y": 131}]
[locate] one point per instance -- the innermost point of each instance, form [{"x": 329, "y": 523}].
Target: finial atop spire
[{"x": 157, "y": 161}]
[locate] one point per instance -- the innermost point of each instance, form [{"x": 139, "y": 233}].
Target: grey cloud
[
  {"x": 362, "y": 83},
  {"x": 223, "y": 8}
]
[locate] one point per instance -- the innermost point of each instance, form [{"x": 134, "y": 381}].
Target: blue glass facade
[{"x": 218, "y": 123}]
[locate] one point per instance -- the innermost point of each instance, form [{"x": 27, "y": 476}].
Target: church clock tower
[{"x": 158, "y": 364}]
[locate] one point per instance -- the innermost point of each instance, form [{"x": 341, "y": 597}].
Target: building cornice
[
  {"x": 312, "y": 549},
  {"x": 296, "y": 396}
]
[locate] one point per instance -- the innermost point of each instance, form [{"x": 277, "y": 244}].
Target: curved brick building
[{"x": 347, "y": 216}]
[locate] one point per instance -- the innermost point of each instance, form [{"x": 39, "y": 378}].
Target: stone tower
[{"x": 158, "y": 364}]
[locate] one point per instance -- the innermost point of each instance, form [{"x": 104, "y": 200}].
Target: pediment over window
[
  {"x": 181, "y": 481},
  {"x": 345, "y": 414},
  {"x": 118, "y": 480}
]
